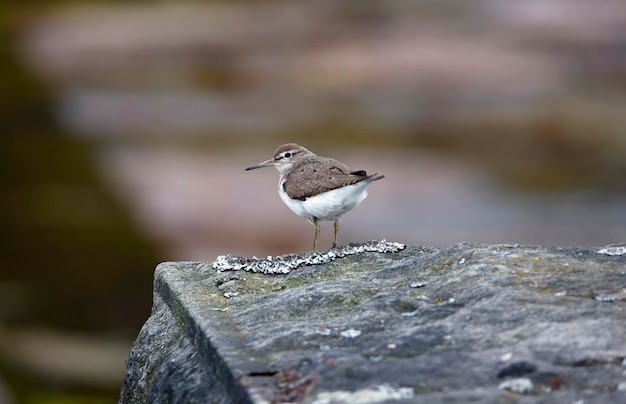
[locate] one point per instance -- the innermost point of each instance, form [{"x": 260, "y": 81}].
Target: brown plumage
[{"x": 306, "y": 179}]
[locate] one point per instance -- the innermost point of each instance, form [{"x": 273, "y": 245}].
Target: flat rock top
[{"x": 466, "y": 322}]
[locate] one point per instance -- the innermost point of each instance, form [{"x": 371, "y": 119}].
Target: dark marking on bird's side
[{"x": 360, "y": 173}]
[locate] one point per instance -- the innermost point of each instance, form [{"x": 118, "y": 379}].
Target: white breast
[{"x": 328, "y": 205}]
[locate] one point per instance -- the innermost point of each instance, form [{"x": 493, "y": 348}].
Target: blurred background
[{"x": 126, "y": 128}]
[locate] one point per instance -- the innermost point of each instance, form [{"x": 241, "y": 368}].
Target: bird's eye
[{"x": 287, "y": 155}]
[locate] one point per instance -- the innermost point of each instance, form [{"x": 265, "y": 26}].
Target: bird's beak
[{"x": 268, "y": 163}]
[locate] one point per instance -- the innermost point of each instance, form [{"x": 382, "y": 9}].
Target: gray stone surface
[{"x": 469, "y": 322}]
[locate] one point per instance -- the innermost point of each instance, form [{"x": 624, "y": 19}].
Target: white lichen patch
[
  {"x": 605, "y": 298},
  {"x": 283, "y": 264},
  {"x": 351, "y": 333},
  {"x": 613, "y": 249},
  {"x": 522, "y": 385},
  {"x": 382, "y": 393}
]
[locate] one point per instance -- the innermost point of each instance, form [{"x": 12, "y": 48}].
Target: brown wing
[{"x": 310, "y": 178}]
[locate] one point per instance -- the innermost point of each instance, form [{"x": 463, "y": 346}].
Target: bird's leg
[
  {"x": 317, "y": 233},
  {"x": 336, "y": 232}
]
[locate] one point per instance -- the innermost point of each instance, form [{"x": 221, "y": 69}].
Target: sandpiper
[{"x": 317, "y": 188}]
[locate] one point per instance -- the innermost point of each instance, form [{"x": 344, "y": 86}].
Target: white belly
[{"x": 327, "y": 205}]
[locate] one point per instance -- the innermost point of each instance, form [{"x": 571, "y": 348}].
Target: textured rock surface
[{"x": 469, "y": 322}]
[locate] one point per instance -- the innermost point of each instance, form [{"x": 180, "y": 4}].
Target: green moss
[{"x": 443, "y": 264}]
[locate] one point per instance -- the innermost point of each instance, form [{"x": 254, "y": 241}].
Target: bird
[{"x": 317, "y": 188}]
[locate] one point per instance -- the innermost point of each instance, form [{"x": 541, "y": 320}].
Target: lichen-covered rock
[
  {"x": 464, "y": 323},
  {"x": 286, "y": 263}
]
